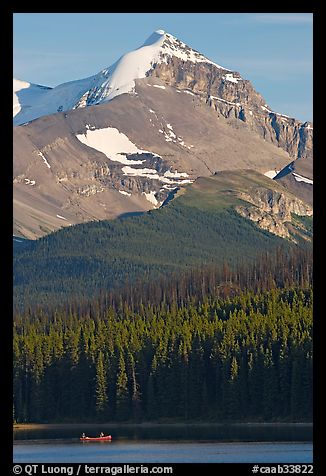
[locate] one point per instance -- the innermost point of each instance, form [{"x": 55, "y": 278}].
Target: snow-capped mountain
[
  {"x": 168, "y": 58},
  {"x": 176, "y": 115},
  {"x": 117, "y": 79}
]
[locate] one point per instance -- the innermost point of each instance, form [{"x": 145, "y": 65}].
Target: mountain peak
[
  {"x": 169, "y": 46},
  {"x": 155, "y": 38},
  {"x": 159, "y": 48}
]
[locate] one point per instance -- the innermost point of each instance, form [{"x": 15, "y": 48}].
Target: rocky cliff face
[
  {"x": 233, "y": 97},
  {"x": 272, "y": 210}
]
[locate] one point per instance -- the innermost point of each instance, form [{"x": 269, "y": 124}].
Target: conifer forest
[{"x": 211, "y": 344}]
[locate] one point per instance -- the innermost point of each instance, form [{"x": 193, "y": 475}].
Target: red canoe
[{"x": 99, "y": 438}]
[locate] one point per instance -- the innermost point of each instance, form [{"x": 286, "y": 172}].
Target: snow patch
[
  {"x": 29, "y": 182},
  {"x": 231, "y": 78},
  {"x": 300, "y": 178},
  {"x": 168, "y": 177},
  {"x": 170, "y": 136},
  {"x": 151, "y": 197},
  {"x": 271, "y": 173},
  {"x": 265, "y": 109},
  {"x": 44, "y": 160},
  {"x": 282, "y": 115},
  {"x": 111, "y": 142},
  {"x": 189, "y": 92},
  {"x": 169, "y": 187},
  {"x": 175, "y": 174},
  {"x": 225, "y": 101},
  {"x": 62, "y": 218},
  {"x": 124, "y": 193},
  {"x": 157, "y": 86},
  {"x": 146, "y": 172},
  {"x": 177, "y": 48}
]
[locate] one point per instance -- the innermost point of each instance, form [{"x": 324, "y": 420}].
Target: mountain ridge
[
  {"x": 199, "y": 227},
  {"x": 114, "y": 80},
  {"x": 162, "y": 116}
]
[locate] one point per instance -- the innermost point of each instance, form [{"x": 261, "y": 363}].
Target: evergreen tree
[
  {"x": 101, "y": 386},
  {"x": 122, "y": 392}
]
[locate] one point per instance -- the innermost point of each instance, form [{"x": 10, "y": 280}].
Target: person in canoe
[
  {"x": 83, "y": 435},
  {"x": 101, "y": 434}
]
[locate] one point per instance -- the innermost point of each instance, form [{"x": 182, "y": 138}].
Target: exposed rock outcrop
[
  {"x": 272, "y": 210},
  {"x": 233, "y": 97}
]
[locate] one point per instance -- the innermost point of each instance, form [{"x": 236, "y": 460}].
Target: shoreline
[{"x": 58, "y": 426}]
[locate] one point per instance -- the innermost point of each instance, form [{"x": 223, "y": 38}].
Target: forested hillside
[
  {"x": 198, "y": 228},
  {"x": 243, "y": 358},
  {"x": 189, "y": 312}
]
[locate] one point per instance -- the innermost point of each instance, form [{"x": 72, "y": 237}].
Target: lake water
[
  {"x": 164, "y": 444},
  {"x": 161, "y": 452}
]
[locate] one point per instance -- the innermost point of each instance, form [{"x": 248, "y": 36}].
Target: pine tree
[
  {"x": 122, "y": 392},
  {"x": 135, "y": 392},
  {"x": 101, "y": 386}
]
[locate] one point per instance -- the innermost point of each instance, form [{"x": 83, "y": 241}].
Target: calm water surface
[{"x": 162, "y": 444}]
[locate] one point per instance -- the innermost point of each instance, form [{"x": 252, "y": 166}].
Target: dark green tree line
[{"x": 241, "y": 357}]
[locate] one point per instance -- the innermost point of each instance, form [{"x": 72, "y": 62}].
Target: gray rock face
[{"x": 236, "y": 97}]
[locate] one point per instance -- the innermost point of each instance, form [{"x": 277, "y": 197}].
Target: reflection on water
[
  {"x": 161, "y": 452},
  {"x": 212, "y": 443},
  {"x": 216, "y": 432}
]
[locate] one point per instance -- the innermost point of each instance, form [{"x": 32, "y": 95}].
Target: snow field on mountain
[
  {"x": 115, "y": 145},
  {"x": 111, "y": 142},
  {"x": 131, "y": 66},
  {"x": 117, "y": 79},
  {"x": 18, "y": 86},
  {"x": 26, "y": 94}
]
